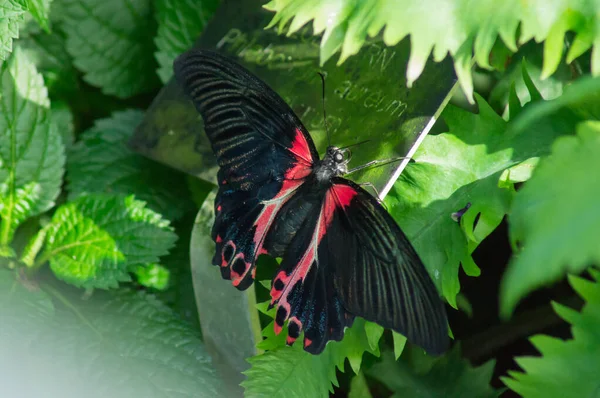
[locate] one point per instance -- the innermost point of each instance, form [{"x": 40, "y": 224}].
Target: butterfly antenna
[{"x": 324, "y": 113}]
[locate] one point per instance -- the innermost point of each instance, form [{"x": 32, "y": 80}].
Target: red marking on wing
[
  {"x": 300, "y": 148},
  {"x": 289, "y": 340},
  {"x": 307, "y": 342},
  {"x": 277, "y": 328},
  {"x": 344, "y": 194},
  {"x": 293, "y": 178},
  {"x": 337, "y": 197},
  {"x": 219, "y": 208},
  {"x": 219, "y": 239}
]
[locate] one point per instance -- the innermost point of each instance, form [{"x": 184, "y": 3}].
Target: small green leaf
[
  {"x": 179, "y": 25},
  {"x": 152, "y": 275},
  {"x": 31, "y": 153},
  {"x": 567, "y": 368},
  {"x": 460, "y": 167},
  {"x": 12, "y": 15},
  {"x": 556, "y": 217},
  {"x": 111, "y": 42},
  {"x": 93, "y": 240},
  {"x": 102, "y": 162},
  {"x": 519, "y": 173},
  {"x": 112, "y": 344},
  {"x": 449, "y": 376},
  {"x": 399, "y": 344},
  {"x": 359, "y": 387}
]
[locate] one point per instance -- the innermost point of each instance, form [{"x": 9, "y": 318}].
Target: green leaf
[
  {"x": 291, "y": 371},
  {"x": 556, "y": 217},
  {"x": 449, "y": 376},
  {"x": 152, "y": 275},
  {"x": 115, "y": 53},
  {"x": 96, "y": 239},
  {"x": 179, "y": 294},
  {"x": 458, "y": 27},
  {"x": 40, "y": 10},
  {"x": 359, "y": 387},
  {"x": 179, "y": 25},
  {"x": 31, "y": 153},
  {"x": 62, "y": 117},
  {"x": 461, "y": 167},
  {"x": 12, "y": 14},
  {"x": 102, "y": 162},
  {"x": 567, "y": 368},
  {"x": 399, "y": 344},
  {"x": 112, "y": 344},
  {"x": 49, "y": 54}
]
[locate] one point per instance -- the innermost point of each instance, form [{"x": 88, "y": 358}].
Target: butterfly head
[{"x": 334, "y": 163}]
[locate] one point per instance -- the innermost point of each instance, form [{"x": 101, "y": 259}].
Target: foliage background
[{"x": 95, "y": 283}]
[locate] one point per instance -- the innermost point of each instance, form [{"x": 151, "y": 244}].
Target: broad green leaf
[
  {"x": 111, "y": 43},
  {"x": 359, "y": 387},
  {"x": 117, "y": 344},
  {"x": 40, "y": 10},
  {"x": 11, "y": 12},
  {"x": 449, "y": 376},
  {"x": 460, "y": 27},
  {"x": 179, "y": 25},
  {"x": 31, "y": 153},
  {"x": 556, "y": 217},
  {"x": 283, "y": 370},
  {"x": 102, "y": 162},
  {"x": 95, "y": 240},
  {"x": 566, "y": 368},
  {"x": 461, "y": 167}
]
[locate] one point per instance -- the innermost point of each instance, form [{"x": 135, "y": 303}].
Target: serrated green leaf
[
  {"x": 115, "y": 54},
  {"x": 117, "y": 344},
  {"x": 282, "y": 370},
  {"x": 449, "y": 376},
  {"x": 179, "y": 25},
  {"x": 556, "y": 217},
  {"x": 31, "y": 153},
  {"x": 94, "y": 240},
  {"x": 567, "y": 368},
  {"x": 458, "y": 27},
  {"x": 40, "y": 10},
  {"x": 458, "y": 168},
  {"x": 11, "y": 14},
  {"x": 102, "y": 162}
]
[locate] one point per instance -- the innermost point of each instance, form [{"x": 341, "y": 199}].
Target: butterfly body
[{"x": 342, "y": 253}]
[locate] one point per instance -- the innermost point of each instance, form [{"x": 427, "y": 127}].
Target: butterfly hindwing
[
  {"x": 377, "y": 273},
  {"x": 263, "y": 151},
  {"x": 351, "y": 259}
]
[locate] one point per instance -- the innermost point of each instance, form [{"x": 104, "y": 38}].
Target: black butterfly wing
[
  {"x": 263, "y": 151},
  {"x": 354, "y": 260}
]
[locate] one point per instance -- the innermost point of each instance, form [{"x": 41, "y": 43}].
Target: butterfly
[{"x": 342, "y": 254}]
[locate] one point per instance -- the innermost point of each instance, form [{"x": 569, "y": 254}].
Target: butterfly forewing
[{"x": 263, "y": 151}]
